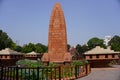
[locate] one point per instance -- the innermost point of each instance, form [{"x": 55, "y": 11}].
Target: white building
[{"x": 107, "y": 39}]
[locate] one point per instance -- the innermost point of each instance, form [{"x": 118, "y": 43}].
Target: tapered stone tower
[{"x": 57, "y": 39}]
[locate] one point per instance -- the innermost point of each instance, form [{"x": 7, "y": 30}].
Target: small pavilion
[
  {"x": 100, "y": 57},
  {"x": 9, "y": 57},
  {"x": 33, "y": 55}
]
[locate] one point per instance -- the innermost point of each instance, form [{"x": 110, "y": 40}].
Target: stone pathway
[{"x": 103, "y": 74}]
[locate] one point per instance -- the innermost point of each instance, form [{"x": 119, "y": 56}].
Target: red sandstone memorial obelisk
[{"x": 57, "y": 38}]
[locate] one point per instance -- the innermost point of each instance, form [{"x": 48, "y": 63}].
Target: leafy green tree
[
  {"x": 93, "y": 42},
  {"x": 79, "y": 48},
  {"x": 5, "y": 40},
  {"x": 115, "y": 47},
  {"x": 115, "y": 43},
  {"x": 40, "y": 48},
  {"x": 115, "y": 39},
  {"x": 28, "y": 48},
  {"x": 85, "y": 48},
  {"x": 13, "y": 46},
  {"x": 68, "y": 47},
  {"x": 18, "y": 48}
]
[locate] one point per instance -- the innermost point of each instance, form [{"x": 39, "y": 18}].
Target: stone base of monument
[{"x": 62, "y": 60}]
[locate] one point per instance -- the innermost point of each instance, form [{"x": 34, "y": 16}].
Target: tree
[
  {"x": 39, "y": 48},
  {"x": 18, "y": 48},
  {"x": 85, "y": 48},
  {"x": 68, "y": 47},
  {"x": 5, "y": 40},
  {"x": 115, "y": 43},
  {"x": 79, "y": 48},
  {"x": 13, "y": 46},
  {"x": 28, "y": 48},
  {"x": 93, "y": 42}
]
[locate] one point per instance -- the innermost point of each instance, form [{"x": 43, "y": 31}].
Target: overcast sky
[{"x": 28, "y": 20}]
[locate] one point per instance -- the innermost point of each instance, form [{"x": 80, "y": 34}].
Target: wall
[{"x": 101, "y": 60}]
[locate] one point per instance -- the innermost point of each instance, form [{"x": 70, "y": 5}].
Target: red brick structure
[
  {"x": 57, "y": 39},
  {"x": 100, "y": 57}
]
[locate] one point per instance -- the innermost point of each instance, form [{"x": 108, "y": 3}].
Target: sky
[{"x": 27, "y": 21}]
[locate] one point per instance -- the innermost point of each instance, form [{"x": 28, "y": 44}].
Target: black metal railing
[{"x": 43, "y": 73}]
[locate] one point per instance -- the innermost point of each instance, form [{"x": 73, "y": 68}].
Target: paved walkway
[{"x": 103, "y": 74}]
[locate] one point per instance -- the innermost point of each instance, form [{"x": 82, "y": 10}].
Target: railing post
[
  {"x": 1, "y": 73},
  {"x": 37, "y": 73},
  {"x": 47, "y": 73},
  {"x": 89, "y": 68},
  {"x": 76, "y": 71},
  {"x": 16, "y": 72},
  {"x": 86, "y": 69},
  {"x": 59, "y": 73},
  {"x": 42, "y": 68}
]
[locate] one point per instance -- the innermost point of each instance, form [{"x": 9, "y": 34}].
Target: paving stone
[{"x": 103, "y": 74}]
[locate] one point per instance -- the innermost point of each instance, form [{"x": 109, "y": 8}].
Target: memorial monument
[{"x": 57, "y": 38}]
